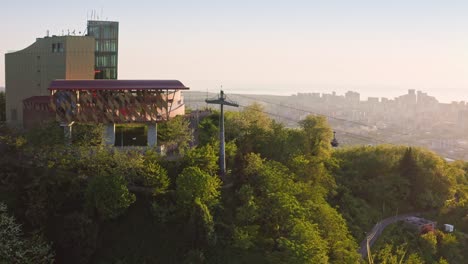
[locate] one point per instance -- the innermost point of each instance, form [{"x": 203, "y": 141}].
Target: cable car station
[{"x": 111, "y": 102}]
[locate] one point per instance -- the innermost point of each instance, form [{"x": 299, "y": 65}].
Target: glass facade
[{"x": 106, "y": 34}]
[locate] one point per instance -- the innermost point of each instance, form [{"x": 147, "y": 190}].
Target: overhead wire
[
  {"x": 391, "y": 131},
  {"x": 350, "y": 134},
  {"x": 337, "y": 130},
  {"x": 315, "y": 113}
]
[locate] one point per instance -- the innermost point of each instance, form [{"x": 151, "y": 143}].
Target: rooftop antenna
[
  {"x": 47, "y": 33},
  {"x": 222, "y": 100}
]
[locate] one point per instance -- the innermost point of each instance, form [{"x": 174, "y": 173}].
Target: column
[
  {"x": 109, "y": 134},
  {"x": 152, "y": 134},
  {"x": 67, "y": 132}
]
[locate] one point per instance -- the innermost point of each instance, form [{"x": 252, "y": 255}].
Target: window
[
  {"x": 94, "y": 31},
  {"x": 113, "y": 61},
  {"x": 113, "y": 74},
  {"x": 59, "y": 47},
  {"x": 54, "y": 48},
  {"x": 113, "y": 46},
  {"x": 107, "y": 33}
]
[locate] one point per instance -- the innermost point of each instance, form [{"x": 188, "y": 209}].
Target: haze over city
[{"x": 377, "y": 48}]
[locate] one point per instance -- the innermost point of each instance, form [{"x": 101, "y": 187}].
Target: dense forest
[{"x": 288, "y": 196}]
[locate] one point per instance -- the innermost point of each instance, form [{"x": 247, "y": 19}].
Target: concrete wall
[
  {"x": 178, "y": 105},
  {"x": 28, "y": 72}
]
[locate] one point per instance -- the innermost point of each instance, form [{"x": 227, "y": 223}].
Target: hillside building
[{"x": 29, "y": 72}]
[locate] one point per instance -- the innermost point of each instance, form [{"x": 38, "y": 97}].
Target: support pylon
[{"x": 221, "y": 100}]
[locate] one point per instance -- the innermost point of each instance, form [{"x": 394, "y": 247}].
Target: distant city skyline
[{"x": 377, "y": 48}]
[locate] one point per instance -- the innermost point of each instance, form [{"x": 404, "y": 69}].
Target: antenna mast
[{"x": 222, "y": 153}]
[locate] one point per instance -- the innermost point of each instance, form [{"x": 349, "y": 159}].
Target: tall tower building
[
  {"x": 29, "y": 72},
  {"x": 106, "y": 34}
]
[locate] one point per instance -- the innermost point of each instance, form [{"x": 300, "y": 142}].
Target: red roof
[{"x": 117, "y": 85}]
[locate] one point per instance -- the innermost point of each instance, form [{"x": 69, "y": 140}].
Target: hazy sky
[{"x": 379, "y": 48}]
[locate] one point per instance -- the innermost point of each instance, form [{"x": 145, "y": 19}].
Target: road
[{"x": 377, "y": 230}]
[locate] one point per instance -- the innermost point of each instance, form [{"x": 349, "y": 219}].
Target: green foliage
[
  {"x": 16, "y": 248},
  {"x": 87, "y": 134},
  {"x": 387, "y": 180},
  {"x": 151, "y": 174},
  {"x": 304, "y": 245},
  {"x": 204, "y": 157},
  {"x": 201, "y": 225},
  {"x": 108, "y": 196},
  {"x": 317, "y": 136},
  {"x": 208, "y": 130},
  {"x": 287, "y": 219},
  {"x": 428, "y": 245},
  {"x": 163, "y": 212},
  {"x": 78, "y": 236},
  {"x": 432, "y": 247},
  {"x": 176, "y": 132},
  {"x": 47, "y": 135},
  {"x": 394, "y": 255},
  {"x": 247, "y": 122},
  {"x": 291, "y": 198},
  {"x": 195, "y": 257},
  {"x": 194, "y": 185}
]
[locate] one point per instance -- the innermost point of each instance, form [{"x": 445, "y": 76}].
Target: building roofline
[{"x": 62, "y": 85}]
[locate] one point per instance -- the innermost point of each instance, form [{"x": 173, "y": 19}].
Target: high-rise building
[
  {"x": 29, "y": 72},
  {"x": 106, "y": 34}
]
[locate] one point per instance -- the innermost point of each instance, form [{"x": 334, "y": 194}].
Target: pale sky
[{"x": 376, "y": 47}]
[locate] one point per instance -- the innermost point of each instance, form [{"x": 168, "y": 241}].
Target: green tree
[
  {"x": 151, "y": 174},
  {"x": 317, "y": 136},
  {"x": 108, "y": 196},
  {"x": 197, "y": 193},
  {"x": 16, "y": 248},
  {"x": 428, "y": 245},
  {"x": 409, "y": 170},
  {"x": 176, "y": 132},
  {"x": 47, "y": 135},
  {"x": 304, "y": 245},
  {"x": 392, "y": 254},
  {"x": 449, "y": 248},
  {"x": 275, "y": 207},
  {"x": 193, "y": 184},
  {"x": 208, "y": 130},
  {"x": 201, "y": 225},
  {"x": 204, "y": 157},
  {"x": 87, "y": 134},
  {"x": 78, "y": 235}
]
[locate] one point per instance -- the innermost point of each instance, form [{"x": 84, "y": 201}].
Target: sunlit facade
[{"x": 29, "y": 72}]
